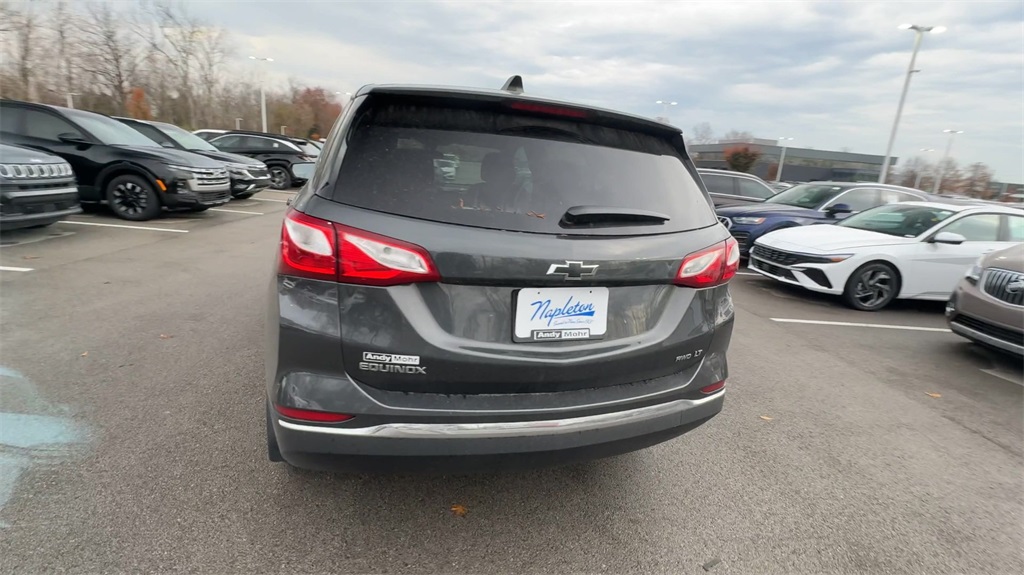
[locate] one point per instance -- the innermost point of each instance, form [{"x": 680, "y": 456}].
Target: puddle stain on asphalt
[{"x": 38, "y": 432}]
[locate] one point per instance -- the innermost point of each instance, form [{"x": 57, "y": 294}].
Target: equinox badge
[{"x": 572, "y": 270}]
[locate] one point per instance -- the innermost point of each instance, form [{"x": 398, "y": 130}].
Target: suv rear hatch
[{"x": 571, "y": 250}]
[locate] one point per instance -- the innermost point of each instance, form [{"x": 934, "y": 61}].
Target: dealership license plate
[{"x": 561, "y": 314}]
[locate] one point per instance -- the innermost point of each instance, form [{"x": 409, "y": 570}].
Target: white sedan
[{"x": 910, "y": 250}]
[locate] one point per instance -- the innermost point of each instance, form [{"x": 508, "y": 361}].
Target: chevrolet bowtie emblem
[{"x": 572, "y": 270}]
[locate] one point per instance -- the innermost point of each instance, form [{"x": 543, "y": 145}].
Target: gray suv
[{"x": 564, "y": 296}]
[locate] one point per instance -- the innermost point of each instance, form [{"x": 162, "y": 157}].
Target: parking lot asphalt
[{"x": 889, "y": 447}]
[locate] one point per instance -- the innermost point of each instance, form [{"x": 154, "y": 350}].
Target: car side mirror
[
  {"x": 950, "y": 238},
  {"x": 73, "y": 138},
  {"x": 303, "y": 170},
  {"x": 833, "y": 210}
]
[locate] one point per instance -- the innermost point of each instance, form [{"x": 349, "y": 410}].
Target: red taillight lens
[
  {"x": 711, "y": 266},
  {"x": 371, "y": 259},
  {"x": 308, "y": 247},
  {"x": 318, "y": 249},
  {"x": 311, "y": 415},
  {"x": 709, "y": 389},
  {"x": 549, "y": 110}
]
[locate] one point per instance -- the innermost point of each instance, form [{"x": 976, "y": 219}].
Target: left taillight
[
  {"x": 710, "y": 266},
  {"x": 318, "y": 249},
  {"x": 309, "y": 247}
]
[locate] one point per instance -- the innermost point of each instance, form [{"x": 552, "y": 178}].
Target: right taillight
[
  {"x": 318, "y": 249},
  {"x": 711, "y": 266}
]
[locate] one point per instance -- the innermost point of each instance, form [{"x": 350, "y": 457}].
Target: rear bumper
[{"x": 481, "y": 446}]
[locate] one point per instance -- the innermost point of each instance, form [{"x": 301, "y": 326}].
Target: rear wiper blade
[{"x": 603, "y": 215}]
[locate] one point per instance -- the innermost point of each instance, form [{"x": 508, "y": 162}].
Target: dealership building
[{"x": 801, "y": 165}]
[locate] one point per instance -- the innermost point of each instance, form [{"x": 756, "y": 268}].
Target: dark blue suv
[{"x": 812, "y": 203}]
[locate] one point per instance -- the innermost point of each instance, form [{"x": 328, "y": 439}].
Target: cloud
[{"x": 826, "y": 73}]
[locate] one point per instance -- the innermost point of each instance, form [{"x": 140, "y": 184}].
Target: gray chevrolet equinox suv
[{"x": 563, "y": 297}]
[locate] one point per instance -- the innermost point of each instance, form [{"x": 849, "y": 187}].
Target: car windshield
[
  {"x": 187, "y": 139},
  {"x": 811, "y": 196},
  {"x": 110, "y": 131},
  {"x": 903, "y": 220}
]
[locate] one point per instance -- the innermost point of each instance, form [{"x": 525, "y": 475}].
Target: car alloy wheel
[
  {"x": 872, "y": 287},
  {"x": 130, "y": 199},
  {"x": 279, "y": 178}
]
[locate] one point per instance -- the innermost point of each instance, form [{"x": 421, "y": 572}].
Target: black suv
[
  {"x": 248, "y": 176},
  {"x": 115, "y": 164},
  {"x": 278, "y": 152},
  {"x": 734, "y": 188},
  {"x": 564, "y": 296},
  {"x": 36, "y": 189}
]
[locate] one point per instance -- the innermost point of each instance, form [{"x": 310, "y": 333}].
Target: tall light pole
[
  {"x": 942, "y": 164},
  {"x": 71, "y": 99},
  {"x": 782, "y": 158},
  {"x": 664, "y": 108},
  {"x": 263, "y": 93},
  {"x": 920, "y": 173},
  {"x": 238, "y": 123},
  {"x": 919, "y": 32}
]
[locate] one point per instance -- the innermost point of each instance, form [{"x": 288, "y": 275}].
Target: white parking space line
[
  {"x": 172, "y": 230},
  {"x": 269, "y": 200},
  {"x": 236, "y": 212},
  {"x": 14, "y": 269},
  {"x": 852, "y": 324},
  {"x": 1005, "y": 375}
]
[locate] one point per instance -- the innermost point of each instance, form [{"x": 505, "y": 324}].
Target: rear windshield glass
[{"x": 496, "y": 170}]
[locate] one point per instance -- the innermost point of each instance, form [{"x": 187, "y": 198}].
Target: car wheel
[
  {"x": 872, "y": 287},
  {"x": 242, "y": 196},
  {"x": 280, "y": 179},
  {"x": 133, "y": 198},
  {"x": 273, "y": 451}
]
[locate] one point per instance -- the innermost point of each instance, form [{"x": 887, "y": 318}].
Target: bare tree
[
  {"x": 24, "y": 26},
  {"x": 212, "y": 51},
  {"x": 112, "y": 56},
  {"x": 737, "y": 135},
  {"x": 176, "y": 36},
  {"x": 702, "y": 134},
  {"x": 976, "y": 180}
]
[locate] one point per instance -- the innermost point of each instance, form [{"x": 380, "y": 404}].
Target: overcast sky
[{"x": 828, "y": 74}]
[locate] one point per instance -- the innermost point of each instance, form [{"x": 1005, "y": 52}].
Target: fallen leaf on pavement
[
  {"x": 165, "y": 336},
  {"x": 84, "y": 354},
  {"x": 766, "y": 418},
  {"x": 459, "y": 510},
  {"x": 935, "y": 395}
]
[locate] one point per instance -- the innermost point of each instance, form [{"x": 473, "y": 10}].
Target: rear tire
[
  {"x": 273, "y": 451},
  {"x": 872, "y": 287},
  {"x": 133, "y": 198},
  {"x": 280, "y": 177}
]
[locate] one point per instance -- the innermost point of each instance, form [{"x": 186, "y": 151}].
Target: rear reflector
[
  {"x": 549, "y": 110},
  {"x": 311, "y": 415},
  {"x": 709, "y": 389},
  {"x": 318, "y": 249},
  {"x": 711, "y": 266}
]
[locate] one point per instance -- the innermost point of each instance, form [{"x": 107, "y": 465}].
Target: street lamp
[
  {"x": 920, "y": 173},
  {"x": 782, "y": 158},
  {"x": 664, "y": 108},
  {"x": 919, "y": 32},
  {"x": 263, "y": 93},
  {"x": 942, "y": 164}
]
